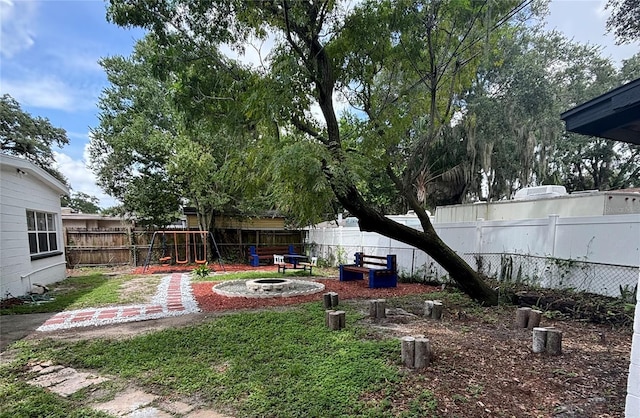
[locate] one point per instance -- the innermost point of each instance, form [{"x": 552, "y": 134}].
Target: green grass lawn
[
  {"x": 96, "y": 289},
  {"x": 93, "y": 290},
  {"x": 272, "y": 363},
  {"x": 283, "y": 363}
]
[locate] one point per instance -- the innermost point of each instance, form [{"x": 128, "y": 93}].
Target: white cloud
[
  {"x": 256, "y": 52},
  {"x": 48, "y": 92},
  {"x": 16, "y": 20},
  {"x": 584, "y": 21},
  {"x": 81, "y": 178}
]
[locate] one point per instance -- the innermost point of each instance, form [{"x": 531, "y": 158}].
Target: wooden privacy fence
[
  {"x": 106, "y": 247},
  {"x": 130, "y": 246}
]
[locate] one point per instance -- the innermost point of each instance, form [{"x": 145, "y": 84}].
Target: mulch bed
[
  {"x": 209, "y": 301},
  {"x": 225, "y": 268}
]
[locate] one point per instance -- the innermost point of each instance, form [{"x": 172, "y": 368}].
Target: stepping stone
[
  {"x": 77, "y": 382},
  {"x": 176, "y": 407},
  {"x": 149, "y": 412},
  {"x": 126, "y": 403},
  {"x": 44, "y": 369},
  {"x": 206, "y": 413},
  {"x": 49, "y": 379}
]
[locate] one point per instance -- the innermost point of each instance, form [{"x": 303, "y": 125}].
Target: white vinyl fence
[{"x": 598, "y": 254}]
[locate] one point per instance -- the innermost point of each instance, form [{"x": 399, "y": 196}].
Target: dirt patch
[
  {"x": 488, "y": 369},
  {"x": 139, "y": 289}
]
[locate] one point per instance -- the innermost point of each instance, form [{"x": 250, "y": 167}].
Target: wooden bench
[
  {"x": 257, "y": 253},
  {"x": 381, "y": 271},
  {"x": 310, "y": 264}
]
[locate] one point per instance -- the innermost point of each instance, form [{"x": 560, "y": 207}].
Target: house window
[{"x": 41, "y": 227}]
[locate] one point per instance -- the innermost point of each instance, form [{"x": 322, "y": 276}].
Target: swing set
[{"x": 178, "y": 246}]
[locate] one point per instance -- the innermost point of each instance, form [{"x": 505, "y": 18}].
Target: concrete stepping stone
[
  {"x": 149, "y": 412},
  {"x": 126, "y": 403},
  {"x": 176, "y": 407},
  {"x": 206, "y": 413},
  {"x": 46, "y": 380},
  {"x": 77, "y": 382},
  {"x": 64, "y": 381}
]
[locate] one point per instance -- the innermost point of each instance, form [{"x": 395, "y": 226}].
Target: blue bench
[
  {"x": 257, "y": 253},
  {"x": 381, "y": 271}
]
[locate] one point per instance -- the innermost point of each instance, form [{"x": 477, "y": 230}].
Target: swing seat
[{"x": 164, "y": 261}]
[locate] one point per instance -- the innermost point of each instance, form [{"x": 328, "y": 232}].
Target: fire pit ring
[
  {"x": 267, "y": 288},
  {"x": 269, "y": 285}
]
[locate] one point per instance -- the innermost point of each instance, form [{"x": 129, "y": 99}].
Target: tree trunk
[
  {"x": 345, "y": 190},
  {"x": 428, "y": 241}
]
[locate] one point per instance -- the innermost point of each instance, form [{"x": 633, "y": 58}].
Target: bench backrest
[
  {"x": 272, "y": 249},
  {"x": 388, "y": 262}
]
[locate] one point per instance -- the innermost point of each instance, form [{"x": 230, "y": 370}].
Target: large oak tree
[{"x": 401, "y": 63}]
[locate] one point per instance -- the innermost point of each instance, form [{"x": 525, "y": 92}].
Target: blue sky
[{"x": 49, "y": 53}]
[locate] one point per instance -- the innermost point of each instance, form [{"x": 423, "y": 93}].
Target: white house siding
[{"x": 24, "y": 186}]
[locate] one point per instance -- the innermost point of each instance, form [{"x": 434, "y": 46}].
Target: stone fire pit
[
  {"x": 269, "y": 285},
  {"x": 267, "y": 288}
]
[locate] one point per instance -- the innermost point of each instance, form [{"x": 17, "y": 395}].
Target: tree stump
[
  {"x": 326, "y": 316},
  {"x": 539, "y": 340},
  {"x": 334, "y": 299},
  {"x": 436, "y": 312},
  {"x": 334, "y": 321},
  {"x": 422, "y": 353},
  {"x": 372, "y": 308},
  {"x": 522, "y": 317},
  {"x": 554, "y": 342},
  {"x": 330, "y": 300},
  {"x": 337, "y": 320},
  {"x": 326, "y": 299},
  {"x": 378, "y": 308},
  {"x": 534, "y": 319},
  {"x": 428, "y": 307},
  {"x": 408, "y": 351},
  {"x": 381, "y": 308},
  {"x": 342, "y": 319}
]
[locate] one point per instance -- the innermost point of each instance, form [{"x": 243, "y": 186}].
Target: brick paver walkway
[{"x": 174, "y": 297}]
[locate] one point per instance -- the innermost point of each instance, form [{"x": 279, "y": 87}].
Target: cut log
[
  {"x": 381, "y": 308},
  {"x": 373, "y": 308},
  {"x": 334, "y": 321},
  {"x": 554, "y": 342},
  {"x": 342, "y": 319},
  {"x": 326, "y": 299},
  {"x": 522, "y": 317},
  {"x": 408, "y": 351},
  {"x": 534, "y": 319},
  {"x": 334, "y": 299},
  {"x": 422, "y": 353},
  {"x": 428, "y": 307},
  {"x": 436, "y": 312},
  {"x": 326, "y": 316},
  {"x": 539, "y": 340}
]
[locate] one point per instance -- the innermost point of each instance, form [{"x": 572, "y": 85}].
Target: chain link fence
[{"x": 548, "y": 272}]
